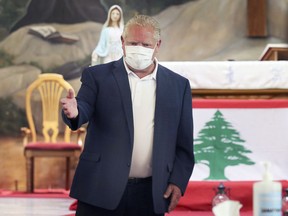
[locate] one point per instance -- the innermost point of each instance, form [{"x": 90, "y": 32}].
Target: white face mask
[{"x": 138, "y": 57}]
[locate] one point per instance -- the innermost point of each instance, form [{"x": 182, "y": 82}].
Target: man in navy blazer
[{"x": 138, "y": 153}]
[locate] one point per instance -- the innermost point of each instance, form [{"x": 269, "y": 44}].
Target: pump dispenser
[{"x": 267, "y": 195}]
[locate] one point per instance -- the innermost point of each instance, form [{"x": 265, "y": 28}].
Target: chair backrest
[{"x": 47, "y": 88}]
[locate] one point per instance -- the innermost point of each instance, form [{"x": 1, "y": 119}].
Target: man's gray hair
[{"x": 144, "y": 21}]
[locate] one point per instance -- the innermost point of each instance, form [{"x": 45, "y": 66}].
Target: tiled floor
[
  {"x": 35, "y": 206},
  {"x": 60, "y": 207}
]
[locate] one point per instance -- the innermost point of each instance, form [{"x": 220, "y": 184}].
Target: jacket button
[{"x": 128, "y": 164}]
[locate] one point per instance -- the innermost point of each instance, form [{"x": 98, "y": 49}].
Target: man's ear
[
  {"x": 158, "y": 46},
  {"x": 159, "y": 43}
]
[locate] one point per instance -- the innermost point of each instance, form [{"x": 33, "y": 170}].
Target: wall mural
[{"x": 57, "y": 36}]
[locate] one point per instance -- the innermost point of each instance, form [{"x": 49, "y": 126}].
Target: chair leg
[
  {"x": 30, "y": 174},
  {"x": 67, "y": 186}
]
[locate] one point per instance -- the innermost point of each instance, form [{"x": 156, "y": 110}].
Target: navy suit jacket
[{"x": 104, "y": 101}]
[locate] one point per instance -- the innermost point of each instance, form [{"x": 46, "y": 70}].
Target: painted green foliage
[{"x": 218, "y": 146}]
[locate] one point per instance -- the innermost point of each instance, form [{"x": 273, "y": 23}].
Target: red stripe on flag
[{"x": 239, "y": 103}]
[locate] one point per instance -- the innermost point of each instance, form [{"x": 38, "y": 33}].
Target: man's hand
[
  {"x": 69, "y": 105},
  {"x": 174, "y": 193}
]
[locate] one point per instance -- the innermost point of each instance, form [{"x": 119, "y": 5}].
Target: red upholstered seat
[{"x": 52, "y": 146}]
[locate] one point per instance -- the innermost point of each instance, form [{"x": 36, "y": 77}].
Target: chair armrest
[
  {"x": 80, "y": 133},
  {"x": 26, "y": 134}
]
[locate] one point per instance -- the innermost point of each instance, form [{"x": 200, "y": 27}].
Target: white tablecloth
[{"x": 233, "y": 74}]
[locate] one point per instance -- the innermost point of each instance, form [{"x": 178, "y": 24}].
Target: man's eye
[{"x": 148, "y": 45}]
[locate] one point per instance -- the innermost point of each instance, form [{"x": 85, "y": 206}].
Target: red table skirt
[
  {"x": 202, "y": 213},
  {"x": 199, "y": 194}
]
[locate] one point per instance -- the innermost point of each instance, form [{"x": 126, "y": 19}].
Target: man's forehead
[
  {"x": 136, "y": 27},
  {"x": 139, "y": 31}
]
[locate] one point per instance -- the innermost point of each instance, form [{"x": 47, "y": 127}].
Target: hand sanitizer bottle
[{"x": 267, "y": 195}]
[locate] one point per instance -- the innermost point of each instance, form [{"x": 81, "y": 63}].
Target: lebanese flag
[{"x": 232, "y": 139}]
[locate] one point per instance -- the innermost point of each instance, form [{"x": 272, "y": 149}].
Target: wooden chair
[{"x": 44, "y": 140}]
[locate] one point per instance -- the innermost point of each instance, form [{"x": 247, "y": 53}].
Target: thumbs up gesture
[{"x": 69, "y": 105}]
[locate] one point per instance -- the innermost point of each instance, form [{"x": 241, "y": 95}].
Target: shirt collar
[{"x": 153, "y": 74}]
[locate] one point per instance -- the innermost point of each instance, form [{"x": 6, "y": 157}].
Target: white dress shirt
[{"x": 143, "y": 93}]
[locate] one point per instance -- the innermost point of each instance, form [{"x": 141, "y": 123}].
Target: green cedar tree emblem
[{"x": 218, "y": 146}]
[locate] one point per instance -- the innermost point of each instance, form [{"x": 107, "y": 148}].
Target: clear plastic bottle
[
  {"x": 267, "y": 195},
  {"x": 285, "y": 203},
  {"x": 220, "y": 196}
]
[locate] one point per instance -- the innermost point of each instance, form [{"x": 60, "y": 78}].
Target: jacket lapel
[
  {"x": 162, "y": 93},
  {"x": 121, "y": 78}
]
